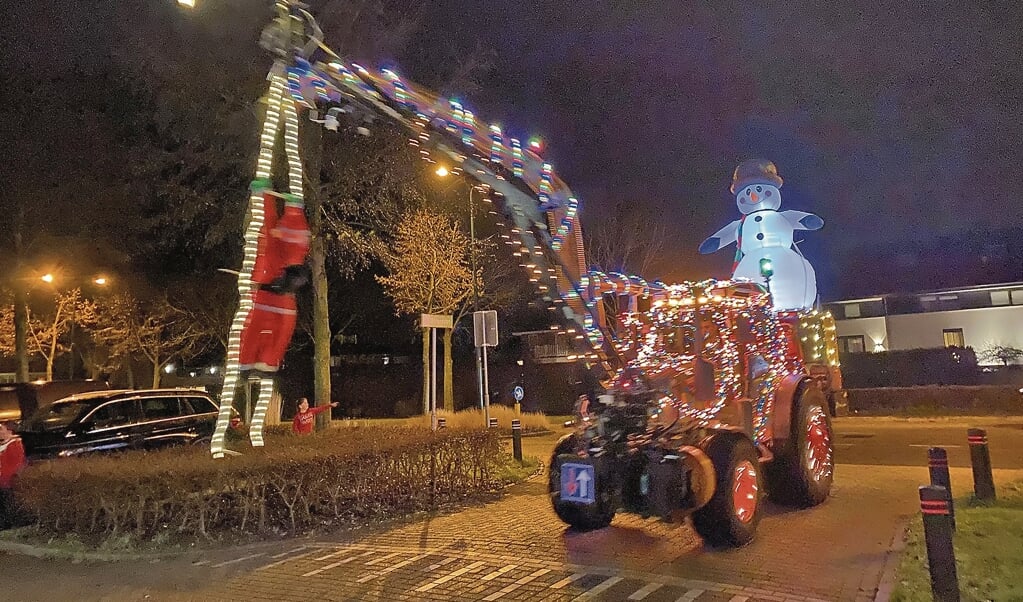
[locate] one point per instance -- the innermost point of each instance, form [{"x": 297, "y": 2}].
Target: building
[{"x": 980, "y": 317}]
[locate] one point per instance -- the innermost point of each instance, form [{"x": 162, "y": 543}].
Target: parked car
[
  {"x": 103, "y": 421},
  {"x": 20, "y": 400}
]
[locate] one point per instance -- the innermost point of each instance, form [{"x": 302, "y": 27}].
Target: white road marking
[
  {"x": 690, "y": 595},
  {"x": 645, "y": 591},
  {"x": 600, "y": 588},
  {"x": 333, "y": 554},
  {"x": 373, "y": 575},
  {"x": 450, "y": 576},
  {"x": 739, "y": 599},
  {"x": 242, "y": 559},
  {"x": 567, "y": 580},
  {"x": 298, "y": 549},
  {"x": 201, "y": 563},
  {"x": 382, "y": 558},
  {"x": 498, "y": 572},
  {"x": 338, "y": 563},
  {"x": 514, "y": 586}
]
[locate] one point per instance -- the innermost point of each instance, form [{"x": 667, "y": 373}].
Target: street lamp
[{"x": 49, "y": 278}]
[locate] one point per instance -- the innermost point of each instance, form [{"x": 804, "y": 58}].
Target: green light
[{"x": 766, "y": 269}]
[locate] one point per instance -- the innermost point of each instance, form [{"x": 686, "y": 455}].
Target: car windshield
[{"x": 57, "y": 415}]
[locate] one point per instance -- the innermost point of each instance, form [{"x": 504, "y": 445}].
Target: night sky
[
  {"x": 897, "y": 122},
  {"x": 901, "y": 121}
]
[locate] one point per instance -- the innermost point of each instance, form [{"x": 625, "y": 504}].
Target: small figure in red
[{"x": 303, "y": 422}]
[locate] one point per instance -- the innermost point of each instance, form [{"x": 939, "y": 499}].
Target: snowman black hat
[{"x": 755, "y": 171}]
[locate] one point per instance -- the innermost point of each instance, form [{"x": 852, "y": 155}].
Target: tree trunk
[
  {"x": 49, "y": 368},
  {"x": 426, "y": 370},
  {"x": 449, "y": 381},
  {"x": 313, "y": 148},
  {"x": 156, "y": 375},
  {"x": 20, "y": 299},
  {"x": 131, "y": 374}
]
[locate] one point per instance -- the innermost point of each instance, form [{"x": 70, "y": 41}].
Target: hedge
[
  {"x": 936, "y": 400},
  {"x": 910, "y": 368},
  {"x": 340, "y": 476}
]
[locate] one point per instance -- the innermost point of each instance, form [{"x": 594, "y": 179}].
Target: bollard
[
  {"x": 442, "y": 423},
  {"x": 493, "y": 423},
  {"x": 941, "y": 559},
  {"x": 517, "y": 439},
  {"x": 937, "y": 464},
  {"x": 980, "y": 458}
]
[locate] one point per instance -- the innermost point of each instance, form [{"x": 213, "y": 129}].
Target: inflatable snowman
[{"x": 764, "y": 233}]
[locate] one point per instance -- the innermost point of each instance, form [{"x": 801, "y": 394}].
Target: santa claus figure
[{"x": 279, "y": 271}]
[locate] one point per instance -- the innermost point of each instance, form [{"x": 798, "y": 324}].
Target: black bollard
[
  {"x": 937, "y": 464},
  {"x": 493, "y": 423},
  {"x": 442, "y": 422},
  {"x": 980, "y": 458},
  {"x": 517, "y": 439},
  {"x": 941, "y": 558}
]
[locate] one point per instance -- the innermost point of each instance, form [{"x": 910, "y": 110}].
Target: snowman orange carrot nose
[{"x": 753, "y": 197}]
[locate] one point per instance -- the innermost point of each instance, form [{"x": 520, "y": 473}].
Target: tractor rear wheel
[
  {"x": 730, "y": 518},
  {"x": 803, "y": 468},
  {"x": 583, "y": 517}
]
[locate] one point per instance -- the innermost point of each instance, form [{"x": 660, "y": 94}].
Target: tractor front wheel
[
  {"x": 730, "y": 518},
  {"x": 803, "y": 469}
]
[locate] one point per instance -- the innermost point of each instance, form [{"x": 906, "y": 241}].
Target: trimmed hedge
[
  {"x": 936, "y": 400},
  {"x": 909, "y": 368},
  {"x": 339, "y": 476}
]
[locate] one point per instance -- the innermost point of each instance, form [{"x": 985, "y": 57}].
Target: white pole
[
  {"x": 486, "y": 388},
  {"x": 433, "y": 378}
]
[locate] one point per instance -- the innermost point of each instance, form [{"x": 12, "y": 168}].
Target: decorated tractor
[{"x": 714, "y": 407}]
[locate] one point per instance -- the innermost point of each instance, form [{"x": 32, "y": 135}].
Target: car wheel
[
  {"x": 584, "y": 517},
  {"x": 803, "y": 469},
  {"x": 731, "y": 516}
]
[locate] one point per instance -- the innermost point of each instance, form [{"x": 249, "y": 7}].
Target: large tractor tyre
[
  {"x": 582, "y": 517},
  {"x": 730, "y": 518},
  {"x": 803, "y": 468}
]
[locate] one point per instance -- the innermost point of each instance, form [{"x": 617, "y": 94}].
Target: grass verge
[{"x": 989, "y": 552}]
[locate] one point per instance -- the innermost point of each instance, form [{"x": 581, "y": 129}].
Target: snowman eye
[
  {"x": 747, "y": 192},
  {"x": 768, "y": 193},
  {"x": 759, "y": 189}
]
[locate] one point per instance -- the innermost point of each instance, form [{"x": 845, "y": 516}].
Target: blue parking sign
[{"x": 577, "y": 483}]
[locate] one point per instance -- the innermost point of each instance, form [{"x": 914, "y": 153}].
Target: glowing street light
[
  {"x": 442, "y": 171},
  {"x": 187, "y": 3},
  {"x": 47, "y": 278}
]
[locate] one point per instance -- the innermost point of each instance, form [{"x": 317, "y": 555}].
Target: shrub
[
  {"x": 909, "y": 368},
  {"x": 949, "y": 400},
  {"x": 339, "y": 476}
]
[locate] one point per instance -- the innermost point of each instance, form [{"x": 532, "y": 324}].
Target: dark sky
[{"x": 893, "y": 121}]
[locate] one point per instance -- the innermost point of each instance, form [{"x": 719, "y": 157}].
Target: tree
[
  {"x": 629, "y": 240},
  {"x": 7, "y": 346},
  {"x": 154, "y": 328},
  {"x": 1002, "y": 353},
  {"x": 429, "y": 271},
  {"x": 46, "y": 330}
]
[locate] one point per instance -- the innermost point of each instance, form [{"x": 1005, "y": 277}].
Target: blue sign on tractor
[{"x": 577, "y": 483}]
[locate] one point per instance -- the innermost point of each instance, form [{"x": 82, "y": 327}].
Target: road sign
[
  {"x": 435, "y": 321},
  {"x": 518, "y": 393},
  {"x": 484, "y": 328},
  {"x": 577, "y": 483}
]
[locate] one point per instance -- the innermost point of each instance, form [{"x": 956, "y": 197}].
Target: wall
[
  {"x": 981, "y": 327},
  {"x": 872, "y": 330}
]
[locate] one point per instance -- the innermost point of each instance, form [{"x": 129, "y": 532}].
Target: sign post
[
  {"x": 433, "y": 322},
  {"x": 485, "y": 335}
]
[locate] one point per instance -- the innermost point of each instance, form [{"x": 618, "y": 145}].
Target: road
[{"x": 516, "y": 549}]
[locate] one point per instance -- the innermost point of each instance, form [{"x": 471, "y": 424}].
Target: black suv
[{"x": 102, "y": 421}]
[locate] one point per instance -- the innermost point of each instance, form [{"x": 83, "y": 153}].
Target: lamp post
[{"x": 444, "y": 172}]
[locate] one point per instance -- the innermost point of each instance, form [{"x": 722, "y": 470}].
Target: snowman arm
[
  {"x": 722, "y": 238},
  {"x": 801, "y": 220}
]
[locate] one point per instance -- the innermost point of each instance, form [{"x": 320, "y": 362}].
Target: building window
[
  {"x": 953, "y": 337},
  {"x": 852, "y": 310},
  {"x": 1000, "y": 298},
  {"x": 851, "y": 344},
  {"x": 1017, "y": 296}
]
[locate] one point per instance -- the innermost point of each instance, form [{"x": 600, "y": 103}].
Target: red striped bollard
[
  {"x": 937, "y": 465},
  {"x": 980, "y": 458},
  {"x": 941, "y": 558}
]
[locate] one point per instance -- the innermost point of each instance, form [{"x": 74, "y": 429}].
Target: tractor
[{"x": 719, "y": 400}]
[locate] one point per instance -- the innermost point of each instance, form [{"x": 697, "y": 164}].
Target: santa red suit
[{"x": 277, "y": 274}]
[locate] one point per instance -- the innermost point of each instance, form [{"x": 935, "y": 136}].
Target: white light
[
  {"x": 442, "y": 171},
  {"x": 168, "y": 368},
  {"x": 187, "y": 3},
  {"x": 47, "y": 278}
]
